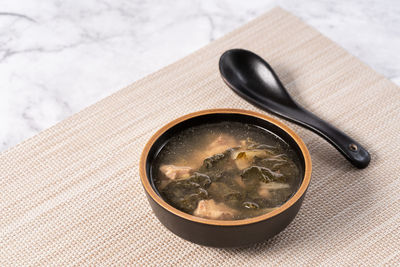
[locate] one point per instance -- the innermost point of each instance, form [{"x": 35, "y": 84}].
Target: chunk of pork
[
  {"x": 209, "y": 209},
  {"x": 175, "y": 172},
  {"x": 219, "y": 145}
]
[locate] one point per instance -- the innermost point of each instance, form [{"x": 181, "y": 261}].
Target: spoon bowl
[{"x": 249, "y": 75}]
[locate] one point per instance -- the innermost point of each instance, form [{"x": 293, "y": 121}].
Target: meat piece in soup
[
  {"x": 226, "y": 171},
  {"x": 222, "y": 143},
  {"x": 209, "y": 209},
  {"x": 175, "y": 172}
]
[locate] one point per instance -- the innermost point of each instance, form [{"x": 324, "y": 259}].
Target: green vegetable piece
[
  {"x": 202, "y": 179},
  {"x": 219, "y": 166},
  {"x": 211, "y": 161},
  {"x": 254, "y": 174},
  {"x": 185, "y": 194},
  {"x": 223, "y": 193}
]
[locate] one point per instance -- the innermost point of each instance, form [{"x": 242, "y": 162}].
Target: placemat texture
[{"x": 72, "y": 194}]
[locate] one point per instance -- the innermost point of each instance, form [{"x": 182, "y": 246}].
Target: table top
[
  {"x": 57, "y": 58},
  {"x": 71, "y": 195}
]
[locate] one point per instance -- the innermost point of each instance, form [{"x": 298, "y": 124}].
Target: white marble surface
[{"x": 57, "y": 57}]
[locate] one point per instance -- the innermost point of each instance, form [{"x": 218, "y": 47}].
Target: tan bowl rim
[{"x": 299, "y": 193}]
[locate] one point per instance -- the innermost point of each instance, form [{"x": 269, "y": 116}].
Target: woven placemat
[{"x": 72, "y": 195}]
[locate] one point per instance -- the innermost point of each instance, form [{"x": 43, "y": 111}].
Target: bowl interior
[{"x": 219, "y": 117}]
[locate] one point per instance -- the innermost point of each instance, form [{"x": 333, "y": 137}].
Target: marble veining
[{"x": 57, "y": 57}]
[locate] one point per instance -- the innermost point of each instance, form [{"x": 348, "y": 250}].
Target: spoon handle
[{"x": 351, "y": 150}]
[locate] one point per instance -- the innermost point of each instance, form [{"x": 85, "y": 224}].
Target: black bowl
[{"x": 223, "y": 233}]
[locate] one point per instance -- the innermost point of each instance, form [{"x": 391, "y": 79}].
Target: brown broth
[{"x": 226, "y": 171}]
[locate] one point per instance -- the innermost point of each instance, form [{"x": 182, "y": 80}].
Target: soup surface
[{"x": 226, "y": 171}]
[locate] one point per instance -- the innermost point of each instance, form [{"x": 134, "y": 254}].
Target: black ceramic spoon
[{"x": 253, "y": 79}]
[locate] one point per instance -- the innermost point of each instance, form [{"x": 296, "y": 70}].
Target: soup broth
[{"x": 226, "y": 171}]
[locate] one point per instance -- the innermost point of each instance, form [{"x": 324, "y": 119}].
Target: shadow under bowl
[{"x": 224, "y": 233}]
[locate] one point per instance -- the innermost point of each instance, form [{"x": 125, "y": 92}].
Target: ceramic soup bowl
[{"x": 224, "y": 233}]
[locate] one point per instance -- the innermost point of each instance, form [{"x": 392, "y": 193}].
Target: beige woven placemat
[{"x": 72, "y": 195}]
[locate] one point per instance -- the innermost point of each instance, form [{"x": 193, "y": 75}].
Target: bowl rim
[{"x": 299, "y": 193}]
